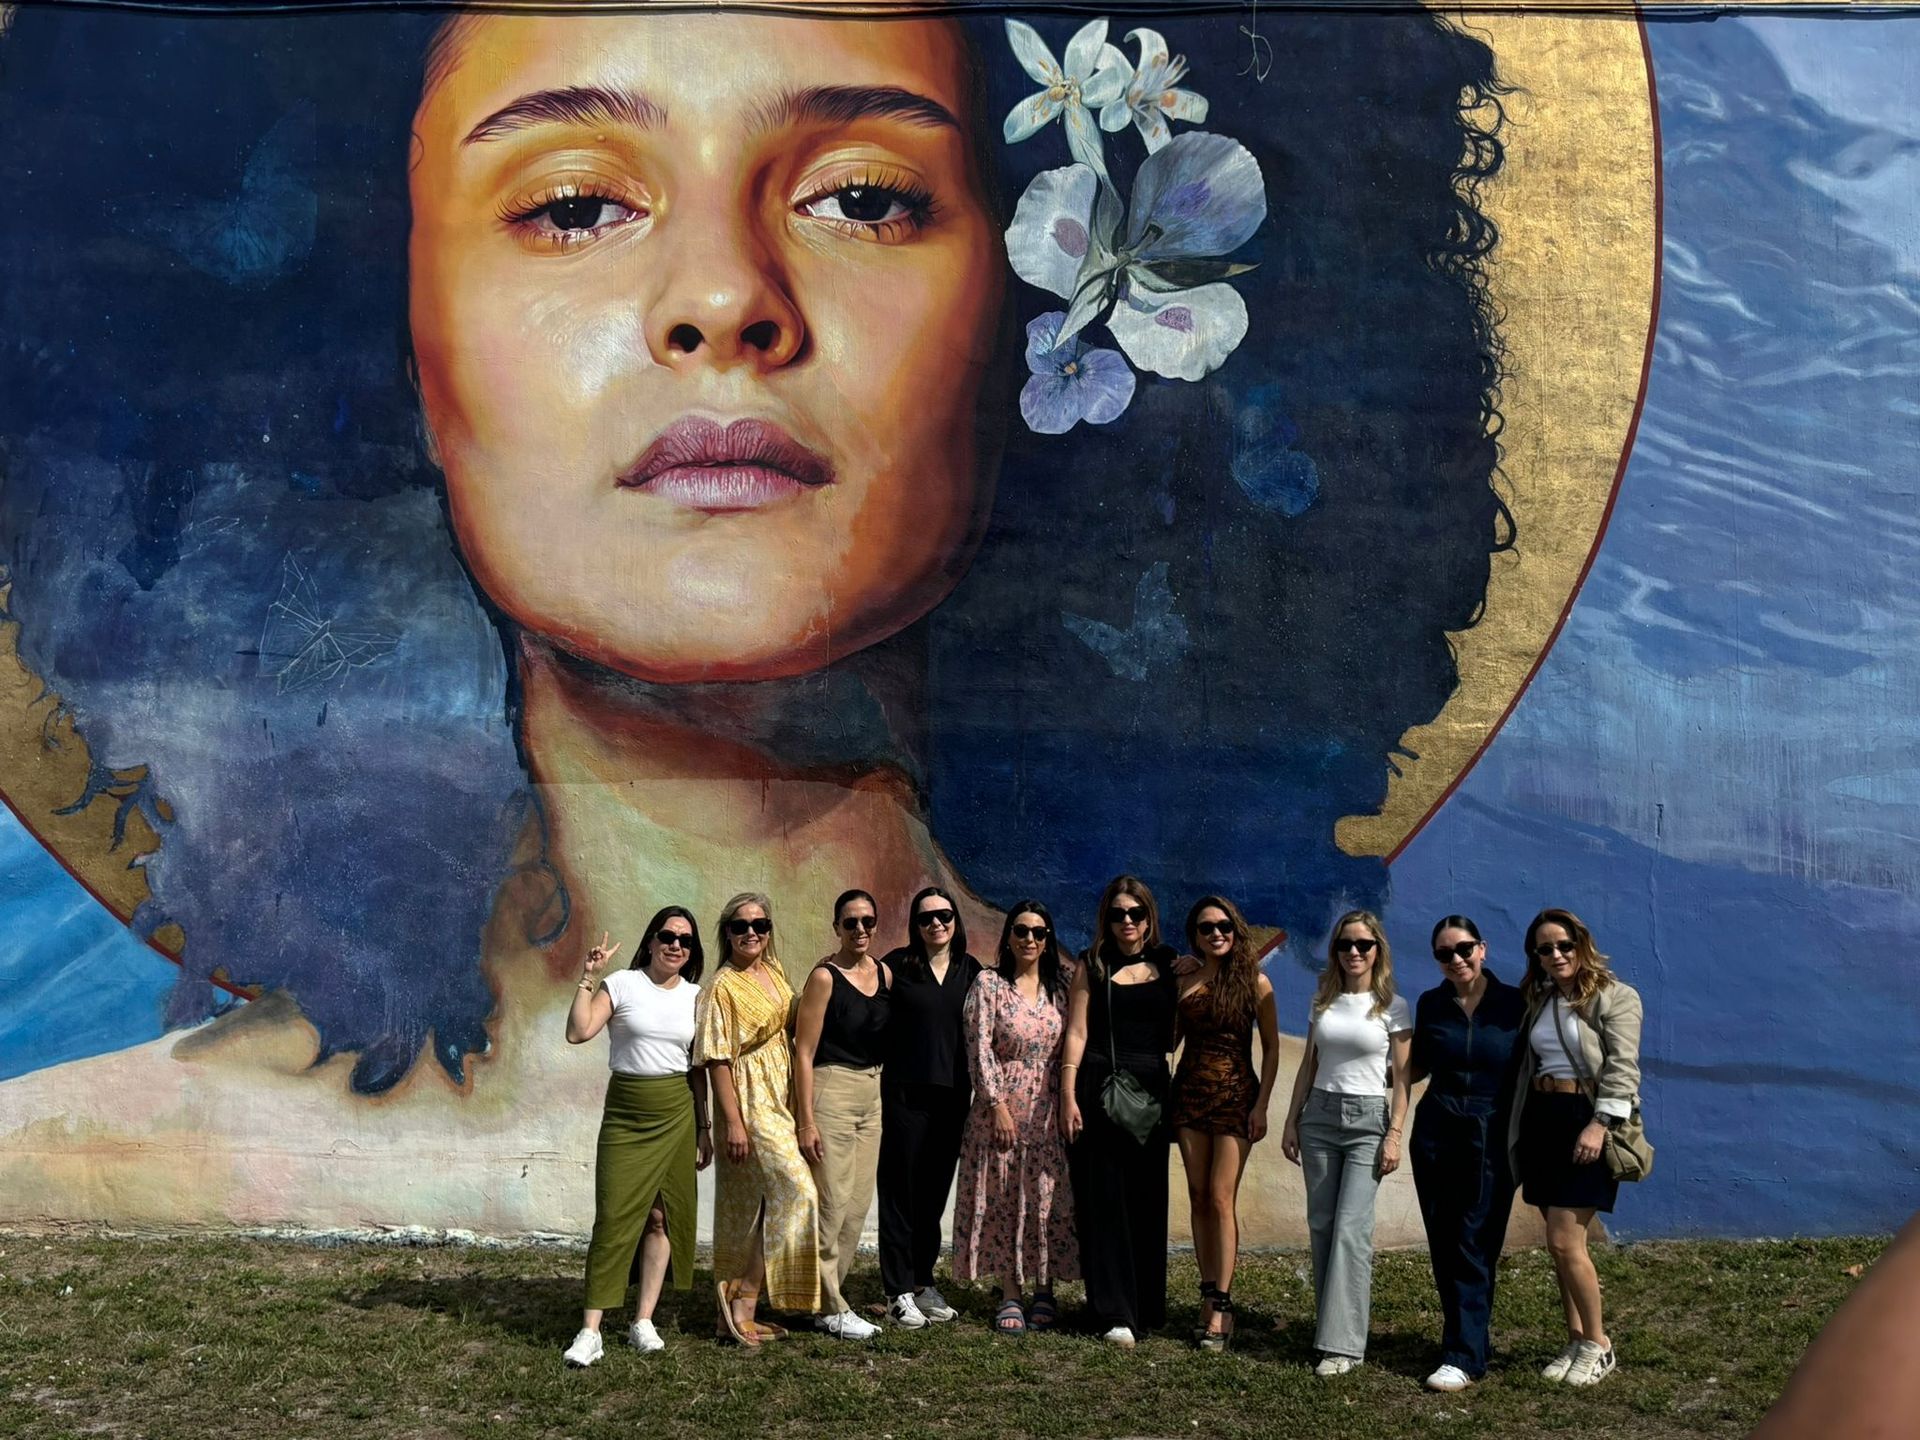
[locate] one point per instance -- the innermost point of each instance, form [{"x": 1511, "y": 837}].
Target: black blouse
[
  {"x": 925, "y": 1044},
  {"x": 853, "y": 1031}
]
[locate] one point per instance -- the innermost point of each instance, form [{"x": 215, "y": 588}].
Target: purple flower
[{"x": 1071, "y": 382}]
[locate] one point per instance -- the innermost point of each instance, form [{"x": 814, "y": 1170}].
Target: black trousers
[
  {"x": 920, "y": 1128},
  {"x": 1461, "y": 1173},
  {"x": 1120, "y": 1210}
]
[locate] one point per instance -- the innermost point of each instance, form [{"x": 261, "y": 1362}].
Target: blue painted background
[{"x": 1719, "y": 763}]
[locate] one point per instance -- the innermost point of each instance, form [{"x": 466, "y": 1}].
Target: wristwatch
[{"x": 1608, "y": 1121}]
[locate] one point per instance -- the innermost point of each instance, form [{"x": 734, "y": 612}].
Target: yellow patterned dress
[{"x": 739, "y": 1022}]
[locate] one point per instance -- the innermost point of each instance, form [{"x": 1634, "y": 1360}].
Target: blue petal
[
  {"x": 1205, "y": 194},
  {"x": 1106, "y": 381},
  {"x": 1051, "y": 404},
  {"x": 1043, "y": 334}
]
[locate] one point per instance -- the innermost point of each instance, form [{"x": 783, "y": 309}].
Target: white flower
[
  {"x": 1152, "y": 269},
  {"x": 1152, "y": 94},
  {"x": 1095, "y": 75}
]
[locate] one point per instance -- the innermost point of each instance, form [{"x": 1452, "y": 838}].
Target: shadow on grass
[{"x": 541, "y": 1309}]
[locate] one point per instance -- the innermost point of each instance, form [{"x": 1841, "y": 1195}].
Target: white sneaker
[
  {"x": 585, "y": 1349},
  {"x": 1120, "y": 1337},
  {"x": 848, "y": 1326},
  {"x": 1336, "y": 1365},
  {"x": 1449, "y": 1378},
  {"x": 1591, "y": 1365},
  {"x": 1556, "y": 1368},
  {"x": 904, "y": 1313},
  {"x": 932, "y": 1304},
  {"x": 644, "y": 1338}
]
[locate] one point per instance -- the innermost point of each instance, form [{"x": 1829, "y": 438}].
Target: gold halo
[{"x": 1576, "y": 277}]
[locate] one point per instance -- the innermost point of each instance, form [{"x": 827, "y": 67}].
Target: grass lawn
[{"x": 197, "y": 1338}]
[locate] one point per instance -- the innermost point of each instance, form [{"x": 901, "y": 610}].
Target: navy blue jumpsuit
[{"x": 1459, "y": 1152}]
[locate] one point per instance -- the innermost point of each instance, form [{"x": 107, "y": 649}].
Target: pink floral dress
[{"x": 1013, "y": 1214}]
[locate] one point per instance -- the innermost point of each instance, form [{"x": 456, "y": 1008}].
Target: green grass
[{"x": 204, "y": 1337}]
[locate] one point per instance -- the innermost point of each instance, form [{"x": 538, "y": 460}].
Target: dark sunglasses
[
  {"x": 762, "y": 926},
  {"x": 864, "y": 922},
  {"x": 1358, "y": 947},
  {"x": 1127, "y": 914},
  {"x": 933, "y": 917},
  {"x": 1213, "y": 927},
  {"x": 1547, "y": 949},
  {"x": 667, "y": 938},
  {"x": 1031, "y": 932},
  {"x": 1462, "y": 948}
]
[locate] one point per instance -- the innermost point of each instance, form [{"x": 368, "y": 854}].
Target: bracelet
[
  {"x": 588, "y": 985},
  {"x": 1065, "y": 1065}
]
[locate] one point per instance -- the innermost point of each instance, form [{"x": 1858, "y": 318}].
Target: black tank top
[{"x": 854, "y": 1028}]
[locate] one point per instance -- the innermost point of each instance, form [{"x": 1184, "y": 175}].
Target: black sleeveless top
[
  {"x": 1142, "y": 1019},
  {"x": 853, "y": 1031}
]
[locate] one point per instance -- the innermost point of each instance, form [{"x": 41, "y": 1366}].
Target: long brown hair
[
  {"x": 1235, "y": 990},
  {"x": 1102, "y": 940},
  {"x": 1333, "y": 982},
  {"x": 1593, "y": 976}
]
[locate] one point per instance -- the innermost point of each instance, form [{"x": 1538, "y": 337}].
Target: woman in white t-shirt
[
  {"x": 654, "y": 1133},
  {"x": 1343, "y": 1127}
]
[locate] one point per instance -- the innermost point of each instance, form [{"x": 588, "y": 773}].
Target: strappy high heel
[{"x": 1215, "y": 1342}]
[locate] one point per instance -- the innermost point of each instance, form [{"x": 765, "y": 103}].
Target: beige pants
[{"x": 846, "y": 1107}]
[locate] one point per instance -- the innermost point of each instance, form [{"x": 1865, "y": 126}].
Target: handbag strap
[
  {"x": 1113, "y": 1057},
  {"x": 1577, "y": 1062}
]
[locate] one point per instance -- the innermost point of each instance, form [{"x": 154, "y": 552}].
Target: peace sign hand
[{"x": 598, "y": 956}]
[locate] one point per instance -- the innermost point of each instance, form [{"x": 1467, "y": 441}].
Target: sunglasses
[
  {"x": 1461, "y": 949},
  {"x": 1358, "y": 947},
  {"x": 1031, "y": 932},
  {"x": 1547, "y": 949},
  {"x": 863, "y": 922},
  {"x": 1213, "y": 927},
  {"x": 928, "y": 918},
  {"x": 673, "y": 939},
  {"x": 762, "y": 926},
  {"x": 1127, "y": 915}
]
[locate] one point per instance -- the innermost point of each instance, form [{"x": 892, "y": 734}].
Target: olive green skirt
[{"x": 646, "y": 1153}]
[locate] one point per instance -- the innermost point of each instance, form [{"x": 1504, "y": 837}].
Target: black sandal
[
  {"x": 1207, "y": 1291},
  {"x": 1215, "y": 1342},
  {"x": 1043, "y": 1314},
  {"x": 1010, "y": 1318}
]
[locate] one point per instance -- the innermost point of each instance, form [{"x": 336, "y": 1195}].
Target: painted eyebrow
[
  {"x": 572, "y": 104},
  {"x": 841, "y": 104}
]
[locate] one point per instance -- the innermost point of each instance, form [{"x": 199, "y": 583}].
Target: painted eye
[
  {"x": 870, "y": 205},
  {"x": 577, "y": 214}
]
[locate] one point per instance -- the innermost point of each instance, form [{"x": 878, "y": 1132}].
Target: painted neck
[{"x": 697, "y": 793}]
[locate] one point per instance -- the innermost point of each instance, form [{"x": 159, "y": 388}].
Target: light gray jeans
[{"x": 1340, "y": 1139}]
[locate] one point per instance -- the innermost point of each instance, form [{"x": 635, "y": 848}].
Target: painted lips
[{"x": 705, "y": 465}]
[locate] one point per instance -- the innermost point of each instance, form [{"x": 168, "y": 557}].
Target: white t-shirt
[
  {"x": 1353, "y": 1044},
  {"x": 652, "y": 1026},
  {"x": 1555, "y": 1058}
]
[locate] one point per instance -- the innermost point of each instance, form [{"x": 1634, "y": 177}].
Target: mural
[{"x": 471, "y": 479}]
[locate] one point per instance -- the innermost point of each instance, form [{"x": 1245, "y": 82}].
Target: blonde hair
[
  {"x": 732, "y": 908},
  {"x": 1332, "y": 980},
  {"x": 1594, "y": 974}
]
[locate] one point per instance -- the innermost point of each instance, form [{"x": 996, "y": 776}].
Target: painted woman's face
[{"x": 703, "y": 306}]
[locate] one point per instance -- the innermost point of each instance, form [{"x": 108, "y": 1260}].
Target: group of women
[{"x": 1042, "y": 1081}]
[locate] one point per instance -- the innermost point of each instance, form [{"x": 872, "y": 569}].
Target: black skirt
[{"x": 1549, "y": 1125}]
